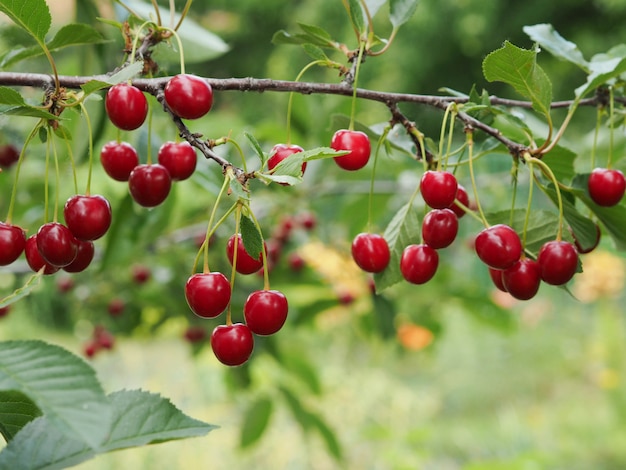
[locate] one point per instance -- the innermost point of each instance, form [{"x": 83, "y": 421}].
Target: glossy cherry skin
[
  {"x": 232, "y": 344},
  {"x": 606, "y": 187},
  {"x": 179, "y": 158},
  {"x": 558, "y": 261},
  {"x": 9, "y": 155},
  {"x": 463, "y": 198},
  {"x": 84, "y": 256},
  {"x": 265, "y": 311},
  {"x": 246, "y": 264},
  {"x": 418, "y": 263},
  {"x": 12, "y": 243},
  {"x": 498, "y": 246},
  {"x": 34, "y": 258},
  {"x": 57, "y": 244},
  {"x": 439, "y": 228},
  {"x": 522, "y": 280},
  {"x": 118, "y": 160},
  {"x": 87, "y": 217},
  {"x": 496, "y": 278},
  {"x": 208, "y": 294},
  {"x": 149, "y": 184},
  {"x": 126, "y": 106},
  {"x": 188, "y": 96},
  {"x": 370, "y": 252},
  {"x": 438, "y": 188},
  {"x": 359, "y": 145}
]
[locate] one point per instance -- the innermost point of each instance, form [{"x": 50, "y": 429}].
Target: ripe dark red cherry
[
  {"x": 149, "y": 184},
  {"x": 265, "y": 311},
  {"x": 522, "y": 280},
  {"x": 438, "y": 188},
  {"x": 126, "y": 106},
  {"x": 116, "y": 307},
  {"x": 34, "y": 258},
  {"x": 439, "y": 228},
  {"x": 359, "y": 145},
  {"x": 246, "y": 264},
  {"x": 9, "y": 155},
  {"x": 496, "y": 278},
  {"x": 84, "y": 256},
  {"x": 12, "y": 243},
  {"x": 280, "y": 152},
  {"x": 4, "y": 311},
  {"x": 57, "y": 244},
  {"x": 418, "y": 263},
  {"x": 207, "y": 294},
  {"x": 179, "y": 158},
  {"x": 141, "y": 274},
  {"x": 498, "y": 246},
  {"x": 463, "y": 198},
  {"x": 118, "y": 160},
  {"x": 188, "y": 96},
  {"x": 194, "y": 334},
  {"x": 371, "y": 253},
  {"x": 606, "y": 187},
  {"x": 558, "y": 261},
  {"x": 87, "y": 217},
  {"x": 232, "y": 344}
]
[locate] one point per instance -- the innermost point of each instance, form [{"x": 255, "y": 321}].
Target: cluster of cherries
[{"x": 265, "y": 311}]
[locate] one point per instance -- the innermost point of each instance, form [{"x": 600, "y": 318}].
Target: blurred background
[{"x": 449, "y": 375}]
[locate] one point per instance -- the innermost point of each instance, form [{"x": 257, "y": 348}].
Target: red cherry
[
  {"x": 280, "y": 152},
  {"x": 57, "y": 244},
  {"x": 371, "y": 253},
  {"x": 141, "y": 274},
  {"x": 307, "y": 220},
  {"x": 439, "y": 228},
  {"x": 296, "y": 262},
  {"x": 522, "y": 279},
  {"x": 606, "y": 187},
  {"x": 103, "y": 337},
  {"x": 438, "y": 188},
  {"x": 9, "y": 155},
  {"x": 118, "y": 160},
  {"x": 463, "y": 198},
  {"x": 179, "y": 158},
  {"x": 34, "y": 258},
  {"x": 4, "y": 311},
  {"x": 207, "y": 294},
  {"x": 418, "y": 263},
  {"x": 246, "y": 264},
  {"x": 265, "y": 311},
  {"x": 188, "y": 96},
  {"x": 12, "y": 243},
  {"x": 558, "y": 261},
  {"x": 359, "y": 145},
  {"x": 126, "y": 106},
  {"x": 116, "y": 307},
  {"x": 84, "y": 256},
  {"x": 91, "y": 348},
  {"x": 194, "y": 334},
  {"x": 65, "y": 284},
  {"x": 496, "y": 277},
  {"x": 87, "y": 217},
  {"x": 149, "y": 184},
  {"x": 498, "y": 246},
  {"x": 232, "y": 344}
]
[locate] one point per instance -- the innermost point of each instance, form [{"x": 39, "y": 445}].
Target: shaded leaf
[
  {"x": 384, "y": 316},
  {"x": 10, "y": 97},
  {"x": 401, "y": 11},
  {"x": 328, "y": 436},
  {"x": 28, "y": 111},
  {"x": 298, "y": 364},
  {"x": 252, "y": 241},
  {"x": 518, "y": 68},
  {"x": 547, "y": 37},
  {"x": 62, "y": 386},
  {"x": 254, "y": 143},
  {"x": 256, "y": 419},
  {"x": 16, "y": 409},
  {"x": 314, "y": 52},
  {"x": 357, "y": 15}
]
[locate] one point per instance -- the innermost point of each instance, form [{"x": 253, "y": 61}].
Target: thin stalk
[
  {"x": 548, "y": 172},
  {"x": 470, "y": 145},
  {"x": 383, "y": 137},
  {"x": 356, "y": 80},
  {"x": 596, "y": 133},
  {"x": 291, "y": 94},
  {"x": 266, "y": 271},
  {"x": 233, "y": 272},
  {"x": 611, "y": 126},
  {"x": 530, "y": 199},
  {"x": 20, "y": 160},
  {"x": 157, "y": 12},
  {"x": 183, "y": 14},
  {"x": 90, "y": 136}
]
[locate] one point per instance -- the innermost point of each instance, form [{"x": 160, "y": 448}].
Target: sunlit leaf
[
  {"x": 401, "y": 11},
  {"x": 31, "y": 15},
  {"x": 604, "y": 68},
  {"x": 256, "y": 419},
  {"x": 547, "y": 37}
]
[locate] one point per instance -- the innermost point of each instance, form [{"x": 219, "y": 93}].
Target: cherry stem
[
  {"x": 72, "y": 163},
  {"x": 356, "y": 80},
  {"x": 470, "y": 146},
  {"x": 611, "y": 126},
  {"x": 530, "y": 199},
  {"x": 266, "y": 270},
  {"x": 133, "y": 51},
  {"x": 149, "y": 149},
  {"x": 291, "y": 94},
  {"x": 235, "y": 144},
  {"x": 183, "y": 13},
  {"x": 450, "y": 134},
  {"x": 46, "y": 186},
  {"x": 233, "y": 272},
  {"x": 157, "y": 12},
  {"x": 172, "y": 14},
  {"x": 596, "y": 133},
  {"x": 382, "y": 138},
  {"x": 442, "y": 135},
  {"x": 90, "y": 137},
  {"x": 57, "y": 177},
  {"x": 20, "y": 160},
  {"x": 547, "y": 146}
]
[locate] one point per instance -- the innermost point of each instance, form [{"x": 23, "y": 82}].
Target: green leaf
[
  {"x": 16, "y": 409},
  {"x": 127, "y": 73},
  {"x": 401, "y": 11},
  {"x": 327, "y": 434},
  {"x": 94, "y": 85},
  {"x": 374, "y": 5},
  {"x": 384, "y": 316},
  {"x": 547, "y": 37},
  {"x": 611, "y": 217},
  {"x": 62, "y": 386},
  {"x": 31, "y": 283},
  {"x": 403, "y": 230},
  {"x": 254, "y": 143},
  {"x": 31, "y": 15},
  {"x": 319, "y": 35},
  {"x": 518, "y": 68},
  {"x": 298, "y": 364},
  {"x": 604, "y": 68},
  {"x": 314, "y": 52},
  {"x": 29, "y": 111},
  {"x": 252, "y": 240},
  {"x": 139, "y": 418},
  {"x": 357, "y": 15},
  {"x": 255, "y": 421},
  {"x": 561, "y": 162},
  {"x": 11, "y": 97},
  {"x": 320, "y": 153}
]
